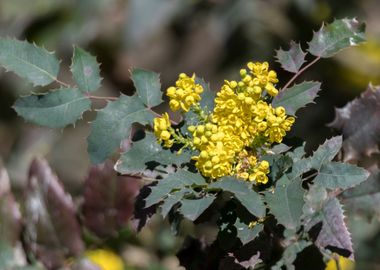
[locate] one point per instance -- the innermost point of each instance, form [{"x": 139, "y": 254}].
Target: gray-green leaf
[
  {"x": 340, "y": 34},
  {"x": 148, "y": 149},
  {"x": 113, "y": 124},
  {"x": 192, "y": 209},
  {"x": 326, "y": 152},
  {"x": 297, "y": 96},
  {"x": 148, "y": 86},
  {"x": 246, "y": 234},
  {"x": 178, "y": 180},
  {"x": 335, "y": 175},
  {"x": 85, "y": 70},
  {"x": 29, "y": 61},
  {"x": 286, "y": 202},
  {"x": 243, "y": 192},
  {"x": 293, "y": 59},
  {"x": 55, "y": 109}
]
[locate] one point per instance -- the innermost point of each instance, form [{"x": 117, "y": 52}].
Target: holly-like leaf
[
  {"x": 178, "y": 180},
  {"x": 108, "y": 200},
  {"x": 246, "y": 234},
  {"x": 338, "y": 35},
  {"x": 293, "y": 59},
  {"x": 52, "y": 230},
  {"x": 364, "y": 199},
  {"x": 172, "y": 199},
  {"x": 113, "y": 124},
  {"x": 248, "y": 264},
  {"x": 286, "y": 202},
  {"x": 146, "y": 150},
  {"x": 326, "y": 152},
  {"x": 29, "y": 61},
  {"x": 85, "y": 70},
  {"x": 55, "y": 109},
  {"x": 297, "y": 96},
  {"x": 192, "y": 209},
  {"x": 359, "y": 121},
  {"x": 335, "y": 175},
  {"x": 243, "y": 192},
  {"x": 148, "y": 86},
  {"x": 334, "y": 232}
]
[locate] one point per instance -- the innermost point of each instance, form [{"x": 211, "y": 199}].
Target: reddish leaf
[
  {"x": 52, "y": 230},
  {"x": 293, "y": 59},
  {"x": 359, "y": 122},
  {"x": 108, "y": 200}
]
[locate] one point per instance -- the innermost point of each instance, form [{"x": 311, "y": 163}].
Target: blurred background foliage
[{"x": 214, "y": 39}]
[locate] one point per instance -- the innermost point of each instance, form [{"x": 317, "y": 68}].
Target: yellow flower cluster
[
  {"x": 105, "y": 259},
  {"x": 163, "y": 130},
  {"x": 242, "y": 120},
  {"x": 344, "y": 264},
  {"x": 185, "y": 94}
]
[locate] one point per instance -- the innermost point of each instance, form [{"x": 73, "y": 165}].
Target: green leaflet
[
  {"x": 55, "y": 109},
  {"x": 340, "y": 34},
  {"x": 175, "y": 181},
  {"x": 335, "y": 175},
  {"x": 246, "y": 234},
  {"x": 171, "y": 200},
  {"x": 145, "y": 150},
  {"x": 325, "y": 153},
  {"x": 192, "y": 209},
  {"x": 297, "y": 96},
  {"x": 243, "y": 192},
  {"x": 148, "y": 86},
  {"x": 85, "y": 70},
  {"x": 113, "y": 124},
  {"x": 290, "y": 255},
  {"x": 28, "y": 61},
  {"x": 286, "y": 202},
  {"x": 293, "y": 59}
]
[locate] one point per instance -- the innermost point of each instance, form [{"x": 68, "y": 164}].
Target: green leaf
[
  {"x": 334, "y": 232},
  {"x": 335, "y": 175},
  {"x": 293, "y": 59},
  {"x": 55, "y": 109},
  {"x": 243, "y": 192},
  {"x": 29, "y": 61},
  {"x": 326, "y": 152},
  {"x": 85, "y": 70},
  {"x": 286, "y": 202},
  {"x": 113, "y": 124},
  {"x": 340, "y": 34},
  {"x": 145, "y": 150},
  {"x": 246, "y": 234},
  {"x": 148, "y": 86},
  {"x": 192, "y": 209},
  {"x": 297, "y": 96},
  {"x": 178, "y": 180},
  {"x": 171, "y": 200}
]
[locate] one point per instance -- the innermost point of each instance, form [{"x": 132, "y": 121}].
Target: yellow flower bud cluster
[
  {"x": 105, "y": 259},
  {"x": 184, "y": 94},
  {"x": 228, "y": 138},
  {"x": 162, "y": 130}
]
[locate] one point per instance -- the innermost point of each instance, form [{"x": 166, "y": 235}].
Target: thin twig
[
  {"x": 310, "y": 176},
  {"x": 300, "y": 72}
]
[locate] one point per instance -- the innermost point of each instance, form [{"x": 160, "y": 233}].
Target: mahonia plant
[{"x": 267, "y": 198}]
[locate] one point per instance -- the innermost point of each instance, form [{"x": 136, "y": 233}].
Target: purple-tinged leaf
[
  {"x": 334, "y": 233},
  {"x": 108, "y": 200},
  {"x": 52, "y": 231},
  {"x": 293, "y": 59},
  {"x": 359, "y": 121}
]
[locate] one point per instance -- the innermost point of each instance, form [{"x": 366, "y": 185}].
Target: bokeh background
[{"x": 214, "y": 39}]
